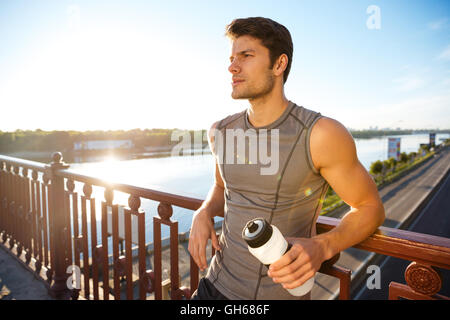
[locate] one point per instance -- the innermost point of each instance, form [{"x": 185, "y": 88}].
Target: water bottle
[{"x": 267, "y": 244}]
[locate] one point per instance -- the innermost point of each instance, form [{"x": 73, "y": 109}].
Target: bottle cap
[{"x": 257, "y": 232}]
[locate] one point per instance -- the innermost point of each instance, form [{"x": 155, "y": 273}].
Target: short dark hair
[{"x": 273, "y": 36}]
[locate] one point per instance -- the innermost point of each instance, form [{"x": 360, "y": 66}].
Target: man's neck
[{"x": 266, "y": 110}]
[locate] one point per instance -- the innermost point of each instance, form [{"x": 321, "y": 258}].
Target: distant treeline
[
  {"x": 40, "y": 140},
  {"x": 365, "y": 134}
]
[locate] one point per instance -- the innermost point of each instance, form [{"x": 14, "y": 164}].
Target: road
[
  {"x": 433, "y": 219},
  {"x": 400, "y": 199}
]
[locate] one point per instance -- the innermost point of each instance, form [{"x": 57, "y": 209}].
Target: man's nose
[{"x": 234, "y": 67}]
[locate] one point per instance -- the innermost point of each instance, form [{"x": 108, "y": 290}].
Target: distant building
[{"x": 102, "y": 145}]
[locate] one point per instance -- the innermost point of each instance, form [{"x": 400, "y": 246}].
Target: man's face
[{"x": 252, "y": 75}]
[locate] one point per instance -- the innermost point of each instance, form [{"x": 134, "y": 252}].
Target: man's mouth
[{"x": 236, "y": 82}]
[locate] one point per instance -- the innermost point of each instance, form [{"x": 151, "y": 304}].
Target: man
[{"x": 313, "y": 152}]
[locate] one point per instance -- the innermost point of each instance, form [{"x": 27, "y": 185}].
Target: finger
[
  {"x": 214, "y": 240},
  {"x": 193, "y": 249},
  {"x": 305, "y": 277},
  {"x": 300, "y": 261},
  {"x": 286, "y": 259},
  {"x": 201, "y": 252},
  {"x": 286, "y": 273},
  {"x": 296, "y": 274}
]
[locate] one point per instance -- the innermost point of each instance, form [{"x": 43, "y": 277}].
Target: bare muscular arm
[
  {"x": 333, "y": 153},
  {"x": 202, "y": 228}
]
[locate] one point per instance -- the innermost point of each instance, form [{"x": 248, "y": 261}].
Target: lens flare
[{"x": 308, "y": 192}]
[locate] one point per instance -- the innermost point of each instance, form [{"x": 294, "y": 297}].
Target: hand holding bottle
[{"x": 269, "y": 246}]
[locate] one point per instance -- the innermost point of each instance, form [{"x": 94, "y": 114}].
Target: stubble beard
[{"x": 252, "y": 92}]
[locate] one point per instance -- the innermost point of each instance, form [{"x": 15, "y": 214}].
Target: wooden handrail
[
  {"x": 176, "y": 200},
  {"x": 407, "y": 245},
  {"x": 23, "y": 163}
]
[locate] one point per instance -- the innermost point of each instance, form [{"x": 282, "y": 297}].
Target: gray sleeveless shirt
[{"x": 288, "y": 194}]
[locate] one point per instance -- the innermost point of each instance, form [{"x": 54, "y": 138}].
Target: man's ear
[{"x": 280, "y": 65}]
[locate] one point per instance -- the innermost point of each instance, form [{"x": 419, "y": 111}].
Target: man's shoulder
[
  {"x": 304, "y": 115},
  {"x": 228, "y": 120},
  {"x": 329, "y": 127},
  {"x": 331, "y": 141},
  {"x": 220, "y": 124}
]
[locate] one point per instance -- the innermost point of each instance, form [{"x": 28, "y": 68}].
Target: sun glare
[{"x": 109, "y": 79}]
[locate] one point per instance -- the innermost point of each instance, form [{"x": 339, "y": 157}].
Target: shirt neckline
[{"x": 274, "y": 124}]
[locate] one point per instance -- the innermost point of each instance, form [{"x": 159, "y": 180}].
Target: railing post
[{"x": 59, "y": 289}]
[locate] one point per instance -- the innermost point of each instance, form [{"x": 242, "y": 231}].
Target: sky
[{"x": 120, "y": 65}]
